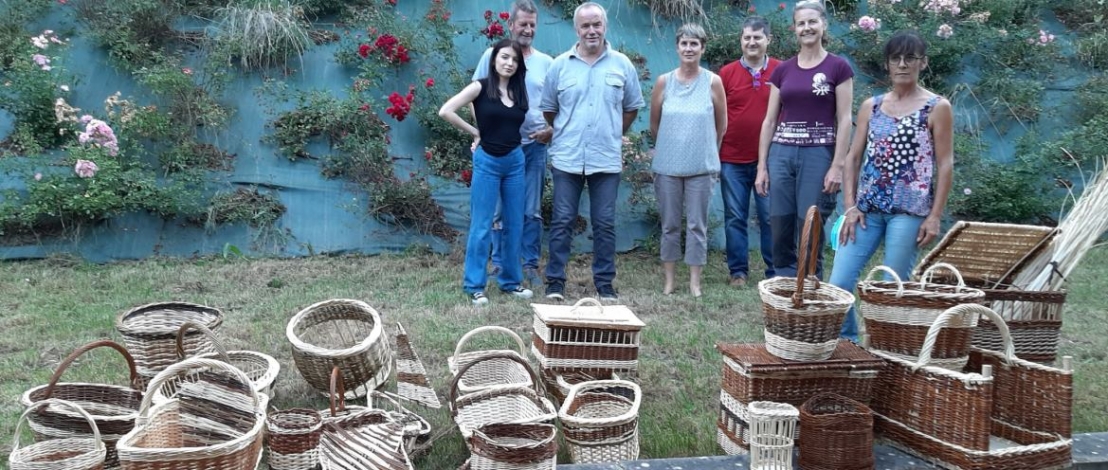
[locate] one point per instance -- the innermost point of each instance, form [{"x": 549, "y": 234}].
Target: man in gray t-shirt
[
  {"x": 536, "y": 135},
  {"x": 590, "y": 98}
]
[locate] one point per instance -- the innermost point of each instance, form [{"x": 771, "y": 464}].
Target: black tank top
[{"x": 498, "y": 124}]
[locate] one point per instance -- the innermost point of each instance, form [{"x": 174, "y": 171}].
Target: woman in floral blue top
[{"x": 899, "y": 195}]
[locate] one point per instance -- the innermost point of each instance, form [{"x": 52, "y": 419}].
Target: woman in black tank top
[{"x": 499, "y": 105}]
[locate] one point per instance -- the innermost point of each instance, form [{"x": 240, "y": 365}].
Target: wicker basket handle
[
  {"x": 1009, "y": 351},
  {"x": 174, "y": 371},
  {"x": 135, "y": 380},
  {"x": 535, "y": 382},
  {"x": 589, "y": 301},
  {"x": 926, "y": 276},
  {"x": 190, "y": 325},
  {"x": 600, "y": 384},
  {"x": 809, "y": 254},
  {"x": 864, "y": 286},
  {"x": 57, "y": 401},
  {"x": 488, "y": 329},
  {"x": 338, "y": 389}
]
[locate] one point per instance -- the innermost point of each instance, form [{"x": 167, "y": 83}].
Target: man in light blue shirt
[
  {"x": 536, "y": 135},
  {"x": 591, "y": 97}
]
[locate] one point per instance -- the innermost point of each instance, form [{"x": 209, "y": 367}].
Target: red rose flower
[
  {"x": 427, "y": 155},
  {"x": 391, "y": 2},
  {"x": 364, "y": 107},
  {"x": 467, "y": 177},
  {"x": 429, "y": 83},
  {"x": 488, "y": 15},
  {"x": 363, "y": 50},
  {"x": 780, "y": 6},
  {"x": 504, "y": 15}
]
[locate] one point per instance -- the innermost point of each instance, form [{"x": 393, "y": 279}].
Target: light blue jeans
[
  {"x": 898, "y": 231},
  {"x": 494, "y": 179},
  {"x": 534, "y": 173},
  {"x": 737, "y": 183}
]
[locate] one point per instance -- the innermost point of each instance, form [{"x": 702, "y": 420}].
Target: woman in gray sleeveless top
[{"x": 688, "y": 116}]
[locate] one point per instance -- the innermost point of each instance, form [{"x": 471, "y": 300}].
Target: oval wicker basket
[
  {"x": 261, "y": 369},
  {"x": 113, "y": 407},
  {"x": 78, "y": 452},
  {"x": 514, "y": 446},
  {"x": 501, "y": 404},
  {"x": 343, "y": 333},
  {"x": 150, "y": 333},
  {"x": 491, "y": 372},
  {"x": 804, "y": 316},
  {"x": 600, "y": 424}
]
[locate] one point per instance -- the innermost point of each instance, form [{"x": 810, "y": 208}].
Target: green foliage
[
  {"x": 1092, "y": 98},
  {"x": 1011, "y": 95},
  {"x": 409, "y": 203},
  {"x": 187, "y": 95},
  {"x": 1082, "y": 15},
  {"x": 349, "y": 124},
  {"x": 991, "y": 191},
  {"x": 131, "y": 30},
  {"x": 262, "y": 33},
  {"x": 1092, "y": 49},
  {"x": 245, "y": 205},
  {"x": 725, "y": 34},
  {"x": 30, "y": 92},
  {"x": 1082, "y": 145}
]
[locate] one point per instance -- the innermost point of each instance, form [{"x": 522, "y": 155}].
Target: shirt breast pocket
[
  {"x": 613, "y": 88},
  {"x": 566, "y": 87}
]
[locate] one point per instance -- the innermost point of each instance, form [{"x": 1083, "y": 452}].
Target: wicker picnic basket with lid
[
  {"x": 513, "y": 446},
  {"x": 586, "y": 336},
  {"x": 804, "y": 316},
  {"x": 838, "y": 434},
  {"x": 343, "y": 333},
  {"x": 898, "y": 315},
  {"x": 113, "y": 407},
  {"x": 150, "y": 333},
  {"x": 490, "y": 372},
  {"x": 292, "y": 439},
  {"x": 600, "y": 424},
  {"x": 359, "y": 437},
  {"x": 214, "y": 423},
  {"x": 262, "y": 369},
  {"x": 751, "y": 373},
  {"x": 499, "y": 404},
  {"x": 78, "y": 452},
  {"x": 1001, "y": 412},
  {"x": 989, "y": 256}
]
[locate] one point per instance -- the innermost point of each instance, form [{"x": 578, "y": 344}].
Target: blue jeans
[
  {"x": 737, "y": 183},
  {"x": 495, "y": 179},
  {"x": 898, "y": 231},
  {"x": 603, "y": 189},
  {"x": 796, "y": 183},
  {"x": 534, "y": 173}
]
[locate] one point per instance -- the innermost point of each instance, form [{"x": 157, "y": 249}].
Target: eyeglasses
[{"x": 907, "y": 59}]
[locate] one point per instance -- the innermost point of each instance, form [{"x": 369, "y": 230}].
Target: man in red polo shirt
[{"x": 745, "y": 82}]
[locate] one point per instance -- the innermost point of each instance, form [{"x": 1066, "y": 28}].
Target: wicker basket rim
[
  {"x": 374, "y": 335},
  {"x": 99, "y": 441},
  {"x": 121, "y": 321},
  {"x": 26, "y": 400}
]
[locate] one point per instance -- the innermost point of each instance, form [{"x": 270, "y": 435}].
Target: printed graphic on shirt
[
  {"x": 804, "y": 133},
  {"x": 820, "y": 87}
]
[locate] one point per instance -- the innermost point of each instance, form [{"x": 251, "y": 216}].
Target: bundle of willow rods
[{"x": 1078, "y": 232}]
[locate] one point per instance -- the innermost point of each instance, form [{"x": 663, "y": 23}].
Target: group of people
[{"x": 775, "y": 130}]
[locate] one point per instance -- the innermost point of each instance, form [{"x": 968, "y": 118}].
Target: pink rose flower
[
  {"x": 85, "y": 168},
  {"x": 869, "y": 23}
]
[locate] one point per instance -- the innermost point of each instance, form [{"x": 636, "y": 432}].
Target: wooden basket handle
[
  {"x": 577, "y": 389},
  {"x": 43, "y": 405},
  {"x": 1009, "y": 351},
  {"x": 864, "y": 286},
  {"x": 135, "y": 380},
  {"x": 488, "y": 329},
  {"x": 809, "y": 254},
  {"x": 589, "y": 301},
  {"x": 174, "y": 371},
  {"x": 337, "y": 385},
  {"x": 926, "y": 276},
  {"x": 535, "y": 382},
  {"x": 190, "y": 325}
]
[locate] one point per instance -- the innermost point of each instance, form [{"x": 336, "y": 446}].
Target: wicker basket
[
  {"x": 586, "y": 337},
  {"x": 292, "y": 439},
  {"x": 113, "y": 407},
  {"x": 838, "y": 434},
  {"x": 150, "y": 333},
  {"x": 358, "y": 437},
  {"x": 343, "y": 333},
  {"x": 599, "y": 423},
  {"x": 513, "y": 446},
  {"x": 79, "y": 452},
  {"x": 558, "y": 383},
  {"x": 1018, "y": 419},
  {"x": 411, "y": 375},
  {"x": 215, "y": 423},
  {"x": 898, "y": 315},
  {"x": 417, "y": 431},
  {"x": 262, "y": 369},
  {"x": 491, "y": 372},
  {"x": 497, "y": 405},
  {"x": 803, "y": 316},
  {"x": 1035, "y": 335},
  {"x": 773, "y": 426}
]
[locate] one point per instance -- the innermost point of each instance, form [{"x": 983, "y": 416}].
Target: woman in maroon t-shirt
[{"x": 805, "y": 135}]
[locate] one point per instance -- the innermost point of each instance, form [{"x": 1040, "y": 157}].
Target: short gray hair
[
  {"x": 692, "y": 30},
  {"x": 526, "y": 6},
  {"x": 757, "y": 23},
  {"x": 603, "y": 12}
]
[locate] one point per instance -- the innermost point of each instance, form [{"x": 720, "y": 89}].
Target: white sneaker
[
  {"x": 520, "y": 292},
  {"x": 478, "y": 298}
]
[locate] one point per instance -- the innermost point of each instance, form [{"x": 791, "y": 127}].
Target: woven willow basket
[
  {"x": 79, "y": 452},
  {"x": 804, "y": 316},
  {"x": 513, "y": 446},
  {"x": 113, "y": 407},
  {"x": 343, "y": 333},
  {"x": 499, "y": 404},
  {"x": 599, "y": 423},
  {"x": 150, "y": 333},
  {"x": 358, "y": 437},
  {"x": 491, "y": 372},
  {"x": 292, "y": 439},
  {"x": 262, "y": 369}
]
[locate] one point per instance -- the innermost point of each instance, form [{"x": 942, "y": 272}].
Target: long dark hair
[{"x": 517, "y": 87}]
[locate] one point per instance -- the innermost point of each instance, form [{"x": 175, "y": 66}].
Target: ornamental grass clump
[{"x": 262, "y": 33}]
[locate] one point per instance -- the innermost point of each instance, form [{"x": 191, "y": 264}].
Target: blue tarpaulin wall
[{"x": 329, "y": 215}]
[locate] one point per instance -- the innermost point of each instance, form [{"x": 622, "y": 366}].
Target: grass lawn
[{"x": 51, "y": 307}]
